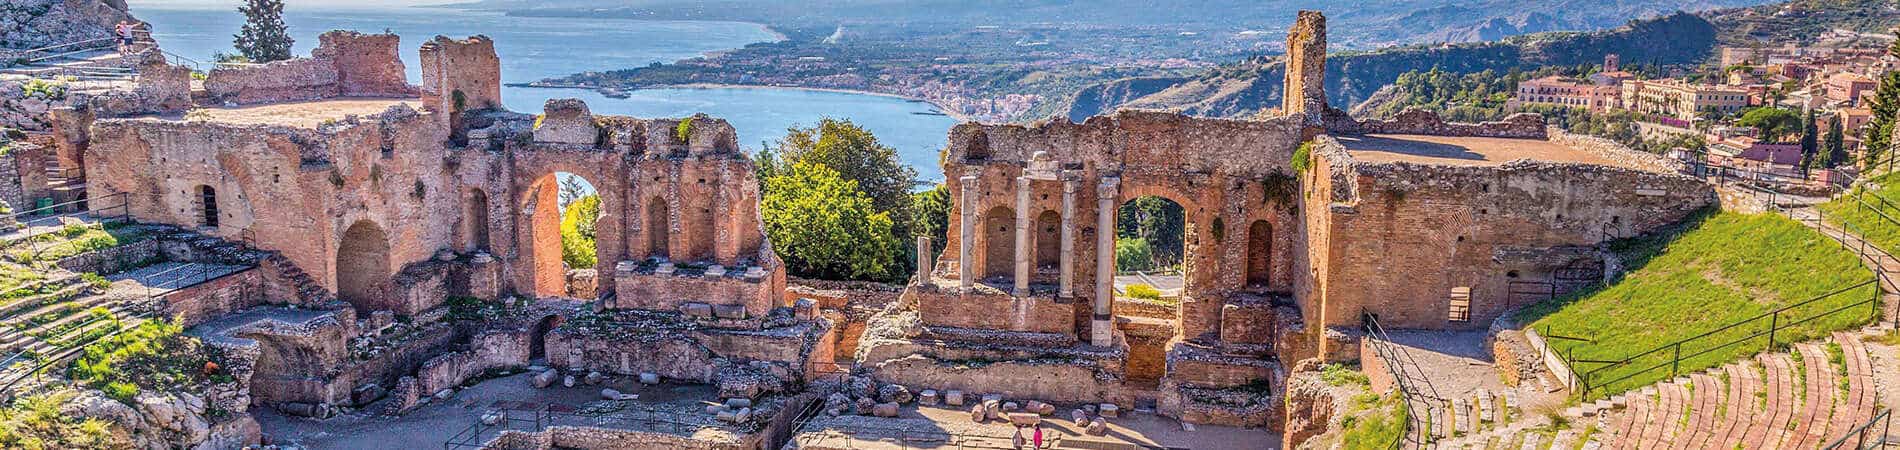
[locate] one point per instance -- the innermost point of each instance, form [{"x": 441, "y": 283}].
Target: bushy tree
[
  {"x": 1133, "y": 254},
  {"x": 264, "y": 38},
  {"x": 577, "y": 232},
  {"x": 1158, "y": 223},
  {"x": 855, "y": 154},
  {"x": 1773, "y": 123},
  {"x": 824, "y": 226},
  {"x": 1810, "y": 143},
  {"x": 931, "y": 209}
]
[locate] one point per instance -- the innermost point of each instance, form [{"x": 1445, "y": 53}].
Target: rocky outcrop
[{"x": 26, "y": 24}]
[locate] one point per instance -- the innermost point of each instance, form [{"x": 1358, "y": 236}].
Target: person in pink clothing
[{"x": 1037, "y": 439}]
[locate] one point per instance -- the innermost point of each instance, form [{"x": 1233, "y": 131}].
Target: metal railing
[
  {"x": 1865, "y": 436},
  {"x": 167, "y": 281},
  {"x": 44, "y": 220},
  {"x": 1414, "y": 401},
  {"x": 1776, "y": 320}
]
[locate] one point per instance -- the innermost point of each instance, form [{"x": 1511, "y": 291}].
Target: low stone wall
[
  {"x": 591, "y": 438},
  {"x": 492, "y": 349},
  {"x": 345, "y": 64},
  {"x": 1051, "y": 380},
  {"x": 216, "y": 298},
  {"x": 669, "y": 292},
  {"x": 994, "y": 310},
  {"x": 112, "y": 259},
  {"x": 1613, "y": 151},
  {"x": 1425, "y": 122}
]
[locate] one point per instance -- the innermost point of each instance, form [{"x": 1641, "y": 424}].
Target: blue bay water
[{"x": 535, "y": 48}]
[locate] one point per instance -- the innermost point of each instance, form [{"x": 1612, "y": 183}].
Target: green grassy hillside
[{"x": 1717, "y": 269}]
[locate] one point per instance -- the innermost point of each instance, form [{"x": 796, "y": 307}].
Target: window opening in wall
[{"x": 208, "y": 199}]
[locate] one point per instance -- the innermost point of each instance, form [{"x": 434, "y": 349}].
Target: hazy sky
[{"x": 288, "y": 4}]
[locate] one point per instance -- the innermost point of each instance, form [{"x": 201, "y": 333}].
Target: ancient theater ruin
[{"x": 385, "y": 248}]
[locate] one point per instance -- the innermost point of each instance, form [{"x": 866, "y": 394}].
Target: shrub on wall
[{"x": 577, "y": 232}]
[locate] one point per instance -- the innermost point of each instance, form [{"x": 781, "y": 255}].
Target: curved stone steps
[
  {"x": 1817, "y": 398},
  {"x": 1739, "y": 405},
  {"x": 1861, "y": 400},
  {"x": 1703, "y": 420}
]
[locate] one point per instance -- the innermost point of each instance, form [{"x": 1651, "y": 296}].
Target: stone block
[
  {"x": 805, "y": 309},
  {"x": 1080, "y": 417},
  {"x": 736, "y": 403},
  {"x": 697, "y": 310},
  {"x": 729, "y": 311},
  {"x": 715, "y": 409},
  {"x": 367, "y": 393},
  {"x": 715, "y": 270},
  {"x": 978, "y": 413},
  {"x": 865, "y": 405},
  {"x": 567, "y": 381},
  {"x": 1110, "y": 410},
  {"x": 615, "y": 394},
  {"x": 893, "y": 393},
  {"x": 594, "y": 378},
  {"x": 928, "y": 398},
  {"x": 744, "y": 415},
  {"x": 886, "y": 409},
  {"x": 1011, "y": 407},
  {"x": 953, "y": 397},
  {"x": 1098, "y": 427},
  {"x": 649, "y": 378}
]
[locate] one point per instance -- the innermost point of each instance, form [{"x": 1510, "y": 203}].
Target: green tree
[
  {"x": 1133, "y": 254},
  {"x": 856, "y": 155},
  {"x": 577, "y": 232},
  {"x": 572, "y": 188},
  {"x": 263, "y": 38},
  {"x": 1810, "y": 143},
  {"x": 931, "y": 209},
  {"x": 1158, "y": 223},
  {"x": 1834, "y": 146},
  {"x": 1878, "y": 136},
  {"x": 825, "y": 227},
  {"x": 1773, "y": 123}
]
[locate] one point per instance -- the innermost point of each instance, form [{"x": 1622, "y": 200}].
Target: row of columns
[{"x": 1107, "y": 194}]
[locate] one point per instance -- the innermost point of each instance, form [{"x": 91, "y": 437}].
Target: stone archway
[
  {"x": 658, "y": 227},
  {"x": 362, "y": 265},
  {"x": 475, "y": 221},
  {"x": 538, "y": 336},
  {"x": 543, "y": 206},
  {"x": 1048, "y": 245}
]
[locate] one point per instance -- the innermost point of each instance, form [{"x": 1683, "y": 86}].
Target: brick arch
[
  {"x": 539, "y": 240},
  {"x": 362, "y": 266},
  {"x": 475, "y": 220},
  {"x": 998, "y": 228}
]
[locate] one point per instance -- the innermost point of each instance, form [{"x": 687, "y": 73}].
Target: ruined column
[
  {"x": 1068, "y": 239},
  {"x": 923, "y": 260},
  {"x": 1106, "y": 195},
  {"x": 1022, "y": 236},
  {"x": 966, "y": 242},
  {"x": 1304, "y": 94}
]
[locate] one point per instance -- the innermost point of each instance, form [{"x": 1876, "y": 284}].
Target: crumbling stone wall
[
  {"x": 1399, "y": 237},
  {"x": 1426, "y": 122},
  {"x": 344, "y": 64},
  {"x": 491, "y": 349}
]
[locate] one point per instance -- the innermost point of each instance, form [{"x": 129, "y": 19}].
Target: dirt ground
[
  {"x": 1460, "y": 366},
  {"x": 296, "y": 114},
  {"x": 432, "y": 424},
  {"x": 935, "y": 426}
]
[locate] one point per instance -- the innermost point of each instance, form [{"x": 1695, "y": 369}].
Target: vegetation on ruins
[
  {"x": 156, "y": 355},
  {"x": 852, "y": 153},
  {"x": 823, "y": 226},
  {"x": 931, "y": 208},
  {"x": 1713, "y": 270},
  {"x": 1374, "y": 422},
  {"x": 1144, "y": 292},
  {"x": 264, "y": 37},
  {"x": 36, "y": 422}
]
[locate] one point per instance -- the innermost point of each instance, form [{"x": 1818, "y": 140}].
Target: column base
[{"x": 1101, "y": 332}]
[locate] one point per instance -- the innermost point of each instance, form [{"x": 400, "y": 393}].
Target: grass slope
[
  {"x": 1717, "y": 269},
  {"x": 1876, "y": 220}
]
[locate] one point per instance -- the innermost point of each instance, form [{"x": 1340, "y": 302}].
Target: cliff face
[
  {"x": 28, "y": 24},
  {"x": 1247, "y": 87}
]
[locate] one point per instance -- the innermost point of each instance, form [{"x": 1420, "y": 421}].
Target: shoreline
[{"x": 933, "y": 105}]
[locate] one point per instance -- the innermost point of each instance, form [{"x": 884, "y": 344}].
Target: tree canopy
[
  {"x": 824, "y": 226},
  {"x": 577, "y": 232},
  {"x": 855, "y": 154},
  {"x": 264, "y": 37},
  {"x": 1775, "y": 124}
]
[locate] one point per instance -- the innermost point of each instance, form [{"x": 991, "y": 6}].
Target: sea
[{"x": 533, "y": 48}]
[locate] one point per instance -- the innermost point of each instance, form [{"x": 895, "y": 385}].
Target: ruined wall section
[
  {"x": 344, "y": 64},
  {"x": 468, "y": 66},
  {"x": 1305, "y": 89},
  {"x": 1226, "y": 174},
  {"x": 286, "y": 189},
  {"x": 1396, "y": 239},
  {"x": 1426, "y": 122}
]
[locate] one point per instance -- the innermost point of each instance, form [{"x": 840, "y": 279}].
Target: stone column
[
  {"x": 966, "y": 235},
  {"x": 1105, "y": 207},
  {"x": 923, "y": 260},
  {"x": 1022, "y": 236},
  {"x": 1069, "y": 187}
]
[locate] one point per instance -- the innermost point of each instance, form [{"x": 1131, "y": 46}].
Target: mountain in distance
[{"x": 1248, "y": 87}]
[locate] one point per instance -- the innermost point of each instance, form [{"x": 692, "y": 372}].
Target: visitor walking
[
  {"x": 1017, "y": 441},
  {"x": 1038, "y": 436},
  {"x": 124, "y": 32}
]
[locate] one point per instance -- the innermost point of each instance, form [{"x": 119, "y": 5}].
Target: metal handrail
[
  {"x": 1396, "y": 360},
  {"x": 1859, "y": 433}
]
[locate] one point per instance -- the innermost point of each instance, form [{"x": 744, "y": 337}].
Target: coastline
[{"x": 934, "y": 105}]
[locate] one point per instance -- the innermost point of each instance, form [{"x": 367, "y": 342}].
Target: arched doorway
[
  {"x": 1149, "y": 234},
  {"x": 362, "y": 265},
  {"x": 658, "y": 227},
  {"x": 1259, "y": 254},
  {"x": 999, "y": 233},
  {"x": 538, "y": 337},
  {"x": 475, "y": 221},
  {"x": 562, "y": 209}
]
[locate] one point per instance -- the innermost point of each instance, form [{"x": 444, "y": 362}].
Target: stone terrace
[
  {"x": 308, "y": 114},
  {"x": 1463, "y": 150}
]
